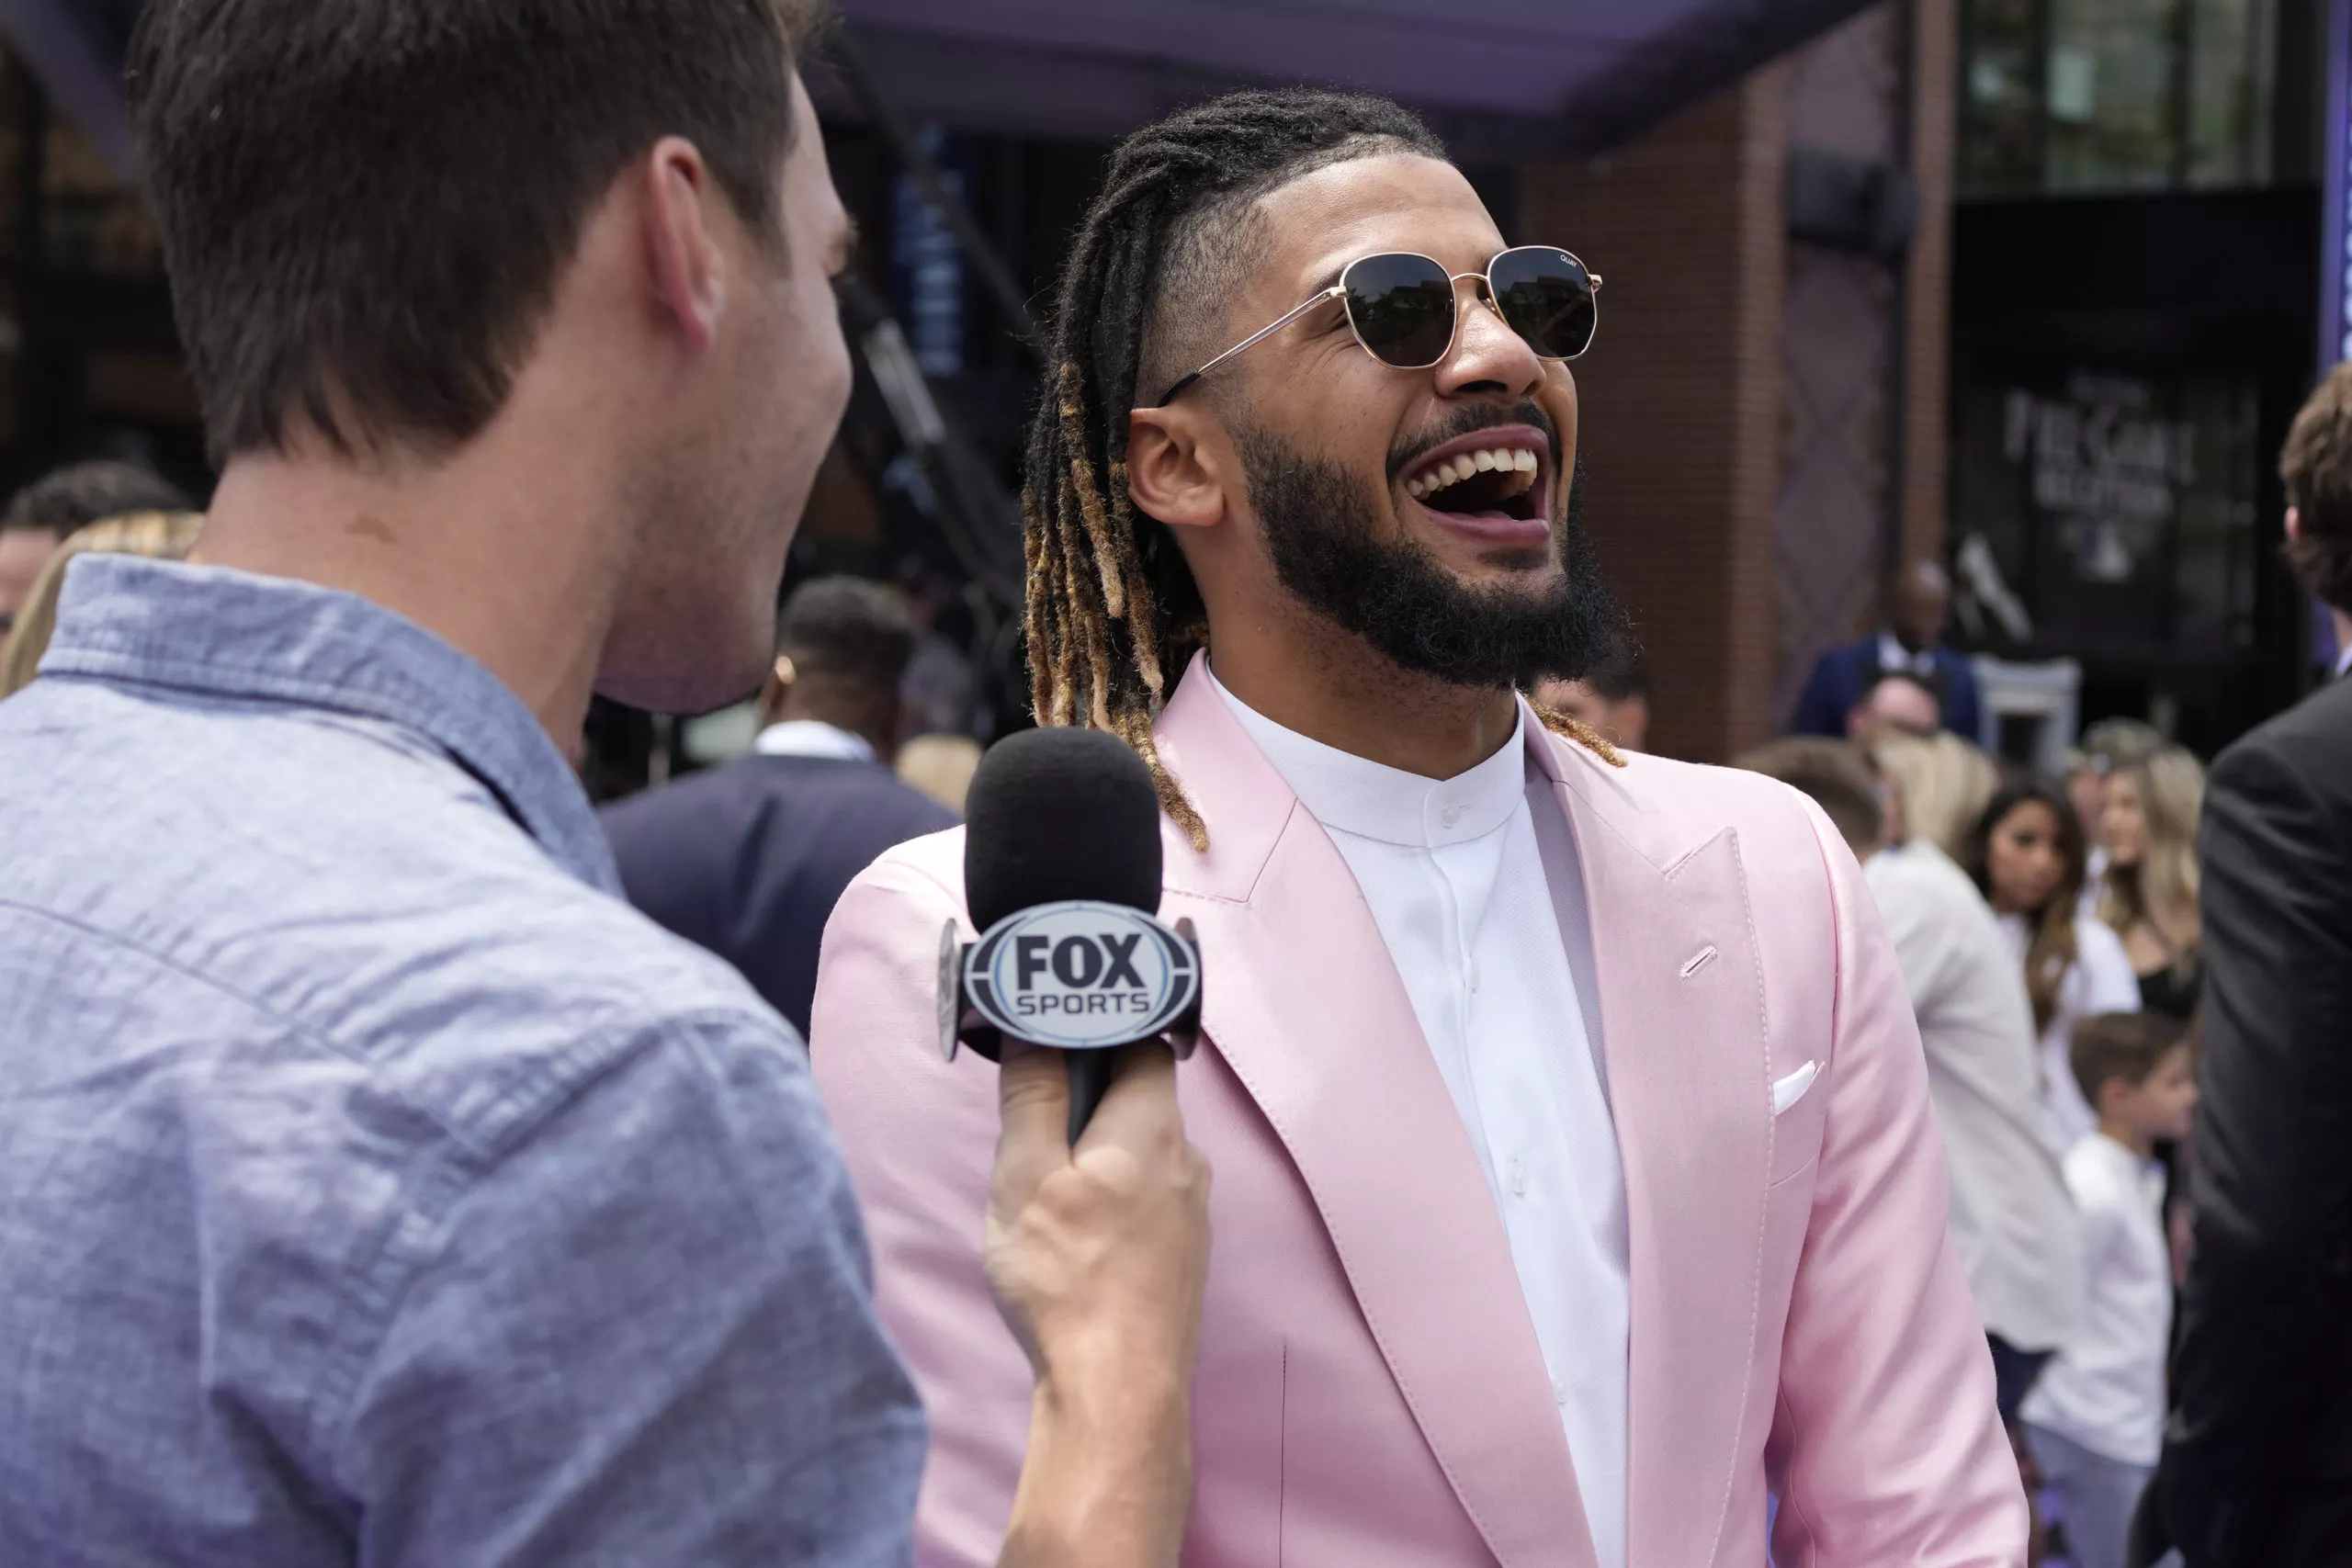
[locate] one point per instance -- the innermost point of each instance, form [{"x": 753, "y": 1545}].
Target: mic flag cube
[{"x": 1075, "y": 975}]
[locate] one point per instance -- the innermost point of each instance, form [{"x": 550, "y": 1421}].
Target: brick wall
[
  {"x": 1934, "y": 144},
  {"x": 1682, "y": 395},
  {"x": 1679, "y": 398}
]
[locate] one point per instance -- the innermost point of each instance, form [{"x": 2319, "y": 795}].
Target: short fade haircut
[
  {"x": 1834, "y": 773},
  {"x": 2127, "y": 1045},
  {"x": 849, "y": 630},
  {"x": 70, "y": 499},
  {"x": 366, "y": 205},
  {"x": 2316, "y": 465}
]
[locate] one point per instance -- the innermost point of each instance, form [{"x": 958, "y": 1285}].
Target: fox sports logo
[{"x": 1081, "y": 975}]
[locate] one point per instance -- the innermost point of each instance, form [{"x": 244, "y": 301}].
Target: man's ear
[
  {"x": 686, "y": 263},
  {"x": 1178, "y": 466},
  {"x": 2294, "y": 524}
]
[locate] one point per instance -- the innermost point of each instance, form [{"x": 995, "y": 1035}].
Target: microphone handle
[{"x": 1091, "y": 1073}]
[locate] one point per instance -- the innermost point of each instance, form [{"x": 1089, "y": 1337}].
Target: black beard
[{"x": 1401, "y": 600}]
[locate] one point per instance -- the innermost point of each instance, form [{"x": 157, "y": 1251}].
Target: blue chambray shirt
[{"x": 376, "y": 1187}]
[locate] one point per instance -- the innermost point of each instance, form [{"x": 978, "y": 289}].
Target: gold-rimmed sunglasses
[{"x": 1401, "y": 305}]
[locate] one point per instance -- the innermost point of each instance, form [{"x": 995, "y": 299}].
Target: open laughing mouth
[{"x": 1490, "y": 486}]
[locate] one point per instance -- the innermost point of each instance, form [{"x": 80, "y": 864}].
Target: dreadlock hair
[{"x": 1113, "y": 609}]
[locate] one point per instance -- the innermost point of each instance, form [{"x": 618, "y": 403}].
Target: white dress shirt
[
  {"x": 1893, "y": 654},
  {"x": 812, "y": 737},
  {"x": 1454, "y": 872},
  {"x": 2011, "y": 1220},
  {"x": 2100, "y": 981},
  {"x": 2106, "y": 1390}
]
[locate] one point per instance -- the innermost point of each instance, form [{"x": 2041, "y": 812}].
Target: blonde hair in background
[
  {"x": 941, "y": 766},
  {"x": 1945, "y": 783},
  {"x": 2171, "y": 785},
  {"x": 160, "y": 535}
]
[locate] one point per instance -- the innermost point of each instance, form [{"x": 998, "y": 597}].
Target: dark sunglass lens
[
  {"x": 1547, "y": 299},
  {"x": 1402, "y": 309}
]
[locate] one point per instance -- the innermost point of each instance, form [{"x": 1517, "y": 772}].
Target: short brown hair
[
  {"x": 366, "y": 205},
  {"x": 1834, "y": 773},
  {"x": 2316, "y": 465},
  {"x": 72, "y": 498},
  {"x": 2127, "y": 1045}
]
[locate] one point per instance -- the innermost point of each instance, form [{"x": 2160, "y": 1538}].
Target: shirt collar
[
  {"x": 216, "y": 633},
  {"x": 812, "y": 737},
  {"x": 2344, "y": 662},
  {"x": 1893, "y": 654},
  {"x": 1372, "y": 800}
]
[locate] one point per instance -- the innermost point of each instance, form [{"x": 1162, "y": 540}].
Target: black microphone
[{"x": 1061, "y": 878}]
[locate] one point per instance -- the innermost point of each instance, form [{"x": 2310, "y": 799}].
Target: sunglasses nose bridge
[{"x": 1511, "y": 342}]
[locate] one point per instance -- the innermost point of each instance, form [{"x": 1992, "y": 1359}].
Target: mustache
[{"x": 1463, "y": 422}]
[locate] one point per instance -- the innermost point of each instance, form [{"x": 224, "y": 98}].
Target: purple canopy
[{"x": 1498, "y": 78}]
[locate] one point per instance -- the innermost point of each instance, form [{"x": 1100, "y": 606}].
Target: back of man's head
[
  {"x": 1838, "y": 779},
  {"x": 848, "y": 631},
  {"x": 70, "y": 499},
  {"x": 2316, "y": 466},
  {"x": 366, "y": 204},
  {"x": 842, "y": 645},
  {"x": 1896, "y": 700}
]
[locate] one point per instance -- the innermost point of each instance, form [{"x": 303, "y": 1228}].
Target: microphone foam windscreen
[{"x": 1057, "y": 814}]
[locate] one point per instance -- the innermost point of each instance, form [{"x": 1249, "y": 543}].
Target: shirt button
[
  {"x": 1559, "y": 1391},
  {"x": 1518, "y": 1179},
  {"x": 1451, "y": 815}
]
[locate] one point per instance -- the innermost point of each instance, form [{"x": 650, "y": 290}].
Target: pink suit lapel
[
  {"x": 1683, "y": 1031},
  {"x": 1304, "y": 1004}
]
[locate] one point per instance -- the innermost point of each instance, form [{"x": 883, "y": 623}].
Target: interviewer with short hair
[{"x": 375, "y": 1185}]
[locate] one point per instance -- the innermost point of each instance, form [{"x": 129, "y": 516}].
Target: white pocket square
[{"x": 1791, "y": 1090}]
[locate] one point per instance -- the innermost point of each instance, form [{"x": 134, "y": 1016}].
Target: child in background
[{"x": 2095, "y": 1421}]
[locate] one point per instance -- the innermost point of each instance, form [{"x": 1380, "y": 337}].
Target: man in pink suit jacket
[{"x": 1374, "y": 1388}]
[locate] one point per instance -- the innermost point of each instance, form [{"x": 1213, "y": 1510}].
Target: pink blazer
[{"x": 1370, "y": 1393}]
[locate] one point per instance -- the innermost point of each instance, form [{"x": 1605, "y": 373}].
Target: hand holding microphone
[{"x": 1097, "y": 1232}]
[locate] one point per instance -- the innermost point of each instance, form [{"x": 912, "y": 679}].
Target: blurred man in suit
[
  {"x": 2257, "y": 1464},
  {"x": 748, "y": 860},
  {"x": 1910, "y": 641}
]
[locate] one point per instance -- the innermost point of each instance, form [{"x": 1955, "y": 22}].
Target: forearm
[{"x": 1108, "y": 1480}]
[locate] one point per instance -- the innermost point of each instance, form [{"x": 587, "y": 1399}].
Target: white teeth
[{"x": 1518, "y": 465}]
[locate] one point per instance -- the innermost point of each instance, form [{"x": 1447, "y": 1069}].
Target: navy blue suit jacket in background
[
  {"x": 749, "y": 859},
  {"x": 1839, "y": 679}
]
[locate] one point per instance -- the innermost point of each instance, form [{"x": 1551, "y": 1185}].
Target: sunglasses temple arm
[{"x": 1252, "y": 341}]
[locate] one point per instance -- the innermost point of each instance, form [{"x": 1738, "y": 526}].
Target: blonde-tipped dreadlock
[{"x": 1112, "y": 610}]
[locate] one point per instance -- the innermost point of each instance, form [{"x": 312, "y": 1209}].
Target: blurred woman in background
[
  {"x": 162, "y": 536},
  {"x": 2026, "y": 855},
  {"x": 2149, "y": 899},
  {"x": 1943, "y": 782}
]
